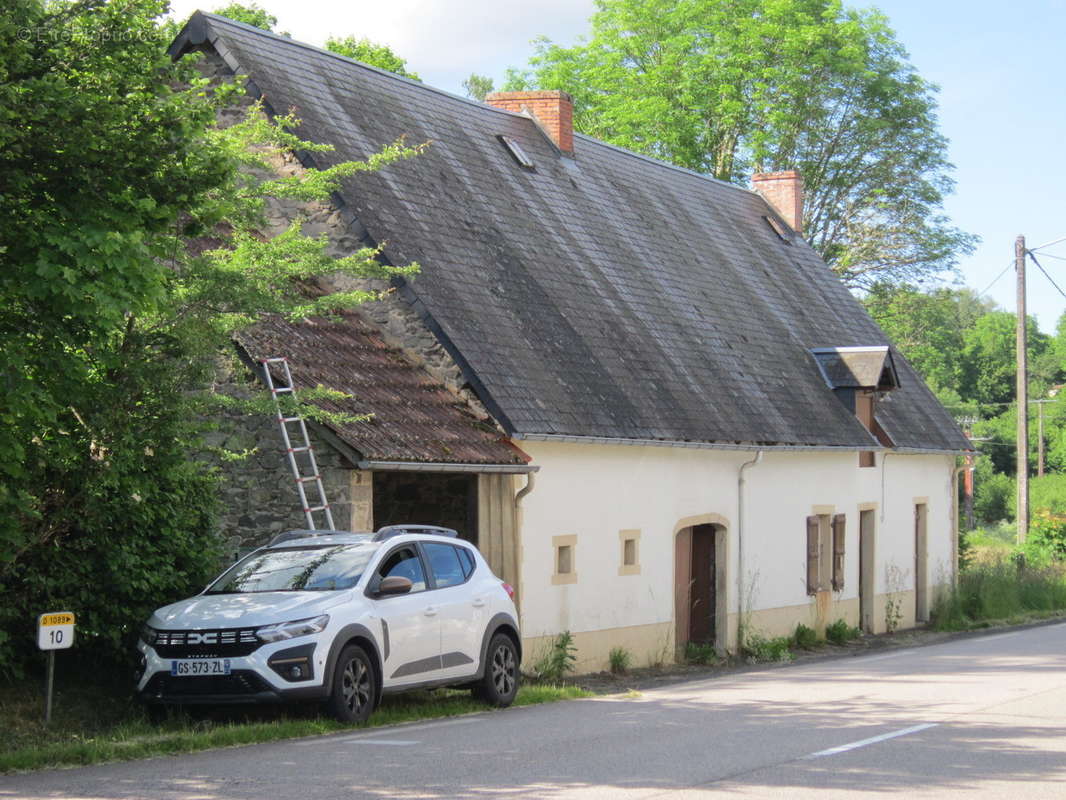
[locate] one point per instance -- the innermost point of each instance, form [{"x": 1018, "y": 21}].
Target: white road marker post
[{"x": 55, "y": 631}]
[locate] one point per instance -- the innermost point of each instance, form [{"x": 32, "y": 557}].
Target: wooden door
[
  {"x": 702, "y": 598},
  {"x": 921, "y": 577},
  {"x": 866, "y": 571}
]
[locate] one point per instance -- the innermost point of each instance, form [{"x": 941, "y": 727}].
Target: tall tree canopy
[
  {"x": 250, "y": 14},
  {"x": 728, "y": 87},
  {"x": 377, "y": 55},
  {"x": 111, "y": 167},
  {"x": 930, "y": 329}
]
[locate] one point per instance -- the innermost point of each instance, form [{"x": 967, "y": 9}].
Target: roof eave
[{"x": 735, "y": 446}]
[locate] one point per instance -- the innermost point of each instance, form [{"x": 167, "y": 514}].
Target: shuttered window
[
  {"x": 812, "y": 554},
  {"x": 838, "y": 552}
]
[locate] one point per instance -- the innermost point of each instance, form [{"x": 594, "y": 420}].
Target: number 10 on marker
[{"x": 55, "y": 631}]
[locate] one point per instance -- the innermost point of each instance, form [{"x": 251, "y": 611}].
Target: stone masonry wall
[{"x": 259, "y": 495}]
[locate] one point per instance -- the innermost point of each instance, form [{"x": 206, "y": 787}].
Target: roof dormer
[{"x": 859, "y": 376}]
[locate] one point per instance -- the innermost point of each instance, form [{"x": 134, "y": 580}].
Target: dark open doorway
[
  {"x": 697, "y": 604},
  {"x": 427, "y": 498}
]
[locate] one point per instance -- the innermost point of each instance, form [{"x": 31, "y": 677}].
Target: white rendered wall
[{"x": 595, "y": 491}]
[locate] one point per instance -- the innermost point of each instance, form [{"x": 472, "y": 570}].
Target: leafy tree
[
  {"x": 929, "y": 328},
  {"x": 994, "y": 493},
  {"x": 989, "y": 370},
  {"x": 250, "y": 14},
  {"x": 477, "y": 86},
  {"x": 129, "y": 254},
  {"x": 376, "y": 55},
  {"x": 730, "y": 86}
]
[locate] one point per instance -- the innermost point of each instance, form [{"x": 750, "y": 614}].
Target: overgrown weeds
[
  {"x": 758, "y": 649},
  {"x": 805, "y": 638},
  {"x": 840, "y": 632},
  {"x": 702, "y": 654},
  {"x": 620, "y": 660},
  {"x": 557, "y": 660},
  {"x": 1002, "y": 590}
]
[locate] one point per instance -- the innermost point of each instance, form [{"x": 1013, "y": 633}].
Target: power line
[
  {"x": 1033, "y": 257},
  {"x": 1050, "y": 255},
  {"x": 965, "y": 404},
  {"x": 1047, "y": 244},
  {"x": 1004, "y": 272}
]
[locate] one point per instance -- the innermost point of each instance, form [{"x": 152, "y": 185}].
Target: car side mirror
[{"x": 394, "y": 584}]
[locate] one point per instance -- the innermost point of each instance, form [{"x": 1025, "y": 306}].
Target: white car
[{"x": 338, "y": 618}]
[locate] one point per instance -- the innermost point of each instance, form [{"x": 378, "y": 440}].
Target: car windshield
[{"x": 296, "y": 569}]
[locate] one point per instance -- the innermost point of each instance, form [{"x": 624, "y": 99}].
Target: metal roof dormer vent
[{"x": 859, "y": 376}]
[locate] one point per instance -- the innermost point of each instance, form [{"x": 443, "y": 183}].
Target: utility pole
[
  {"x": 1023, "y": 396},
  {"x": 1040, "y": 439}
]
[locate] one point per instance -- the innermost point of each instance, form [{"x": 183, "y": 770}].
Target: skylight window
[
  {"x": 517, "y": 152},
  {"x": 780, "y": 228}
]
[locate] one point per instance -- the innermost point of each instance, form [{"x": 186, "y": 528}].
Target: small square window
[
  {"x": 564, "y": 563},
  {"x": 629, "y": 541},
  {"x": 565, "y": 559}
]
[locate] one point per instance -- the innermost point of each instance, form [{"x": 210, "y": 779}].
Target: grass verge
[
  {"x": 1002, "y": 591},
  {"x": 96, "y": 725}
]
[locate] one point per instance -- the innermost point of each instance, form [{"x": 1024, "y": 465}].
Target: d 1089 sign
[{"x": 55, "y": 630}]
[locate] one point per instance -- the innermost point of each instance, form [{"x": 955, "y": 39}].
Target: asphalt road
[{"x": 982, "y": 716}]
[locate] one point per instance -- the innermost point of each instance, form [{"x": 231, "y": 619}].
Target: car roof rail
[
  {"x": 288, "y": 536},
  {"x": 388, "y": 531}
]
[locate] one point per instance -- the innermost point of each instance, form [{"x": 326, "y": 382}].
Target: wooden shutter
[
  {"x": 812, "y": 555},
  {"x": 838, "y": 552}
]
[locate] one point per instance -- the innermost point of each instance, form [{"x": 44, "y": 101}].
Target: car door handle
[
  {"x": 479, "y": 602},
  {"x": 431, "y": 611}
]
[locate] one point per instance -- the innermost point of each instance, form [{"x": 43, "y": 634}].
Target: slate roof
[
  {"x": 412, "y": 417},
  {"x": 603, "y": 295}
]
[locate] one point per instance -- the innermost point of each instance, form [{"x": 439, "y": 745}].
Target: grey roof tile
[{"x": 605, "y": 295}]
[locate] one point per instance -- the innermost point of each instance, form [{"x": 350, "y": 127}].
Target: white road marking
[
  {"x": 997, "y": 636},
  {"x": 315, "y": 741},
  {"x": 392, "y": 742},
  {"x": 439, "y": 723},
  {"x": 832, "y": 751}
]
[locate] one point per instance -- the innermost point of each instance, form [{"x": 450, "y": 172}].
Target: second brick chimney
[
  {"x": 553, "y": 110},
  {"x": 784, "y": 192}
]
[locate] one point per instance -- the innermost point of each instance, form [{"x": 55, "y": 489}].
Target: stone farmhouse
[{"x": 636, "y": 388}]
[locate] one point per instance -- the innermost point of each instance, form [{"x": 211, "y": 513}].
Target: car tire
[
  {"x": 354, "y": 688},
  {"x": 499, "y": 685}
]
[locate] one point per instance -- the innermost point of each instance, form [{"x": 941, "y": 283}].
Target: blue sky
[{"x": 998, "y": 66}]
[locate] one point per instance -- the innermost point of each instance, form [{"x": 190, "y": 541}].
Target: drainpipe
[
  {"x": 740, "y": 542},
  {"x": 531, "y": 478},
  {"x": 530, "y": 481}
]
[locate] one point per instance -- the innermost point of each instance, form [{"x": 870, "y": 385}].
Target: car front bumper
[{"x": 258, "y": 677}]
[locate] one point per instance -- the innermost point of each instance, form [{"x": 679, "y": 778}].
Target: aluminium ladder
[{"x": 291, "y": 452}]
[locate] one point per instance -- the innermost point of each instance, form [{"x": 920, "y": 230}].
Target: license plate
[{"x": 200, "y": 666}]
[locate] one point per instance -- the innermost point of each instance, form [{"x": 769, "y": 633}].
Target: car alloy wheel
[
  {"x": 354, "y": 686},
  {"x": 500, "y": 683}
]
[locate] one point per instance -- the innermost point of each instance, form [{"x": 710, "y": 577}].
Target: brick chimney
[
  {"x": 552, "y": 110},
  {"x": 784, "y": 192}
]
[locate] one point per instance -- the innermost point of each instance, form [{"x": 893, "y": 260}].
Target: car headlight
[
  {"x": 290, "y": 630},
  {"x": 148, "y": 634}
]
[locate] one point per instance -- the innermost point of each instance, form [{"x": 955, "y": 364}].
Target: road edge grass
[{"x": 137, "y": 739}]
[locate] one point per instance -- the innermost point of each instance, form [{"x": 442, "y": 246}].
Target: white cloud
[{"x": 442, "y": 40}]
